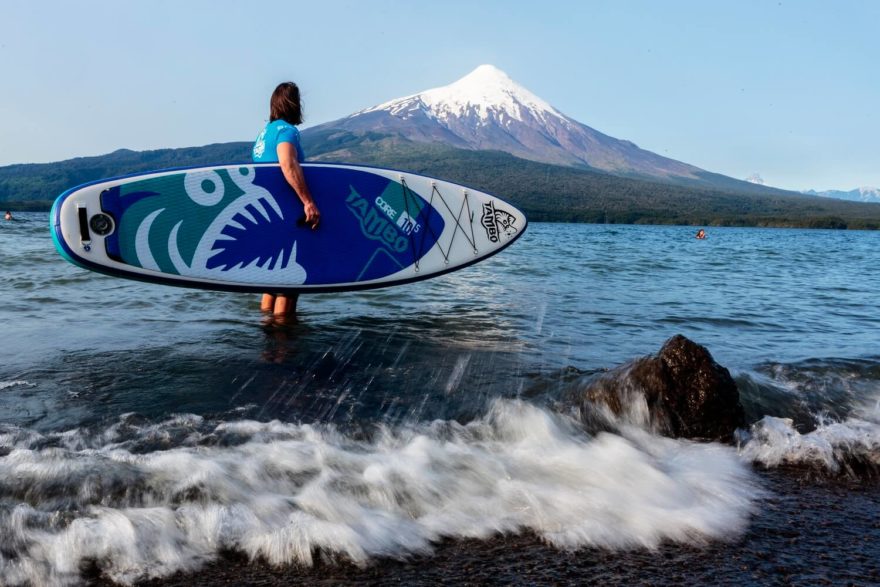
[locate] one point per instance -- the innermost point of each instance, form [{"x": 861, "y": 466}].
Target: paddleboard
[{"x": 241, "y": 228}]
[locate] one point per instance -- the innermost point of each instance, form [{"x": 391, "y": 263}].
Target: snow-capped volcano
[{"x": 487, "y": 110}]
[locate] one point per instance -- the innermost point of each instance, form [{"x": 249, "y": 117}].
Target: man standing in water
[{"x": 279, "y": 142}]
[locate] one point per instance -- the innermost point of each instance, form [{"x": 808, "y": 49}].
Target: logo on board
[
  {"x": 497, "y": 221},
  {"x": 381, "y": 220}
]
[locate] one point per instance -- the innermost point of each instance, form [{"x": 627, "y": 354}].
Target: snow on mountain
[
  {"x": 755, "y": 178},
  {"x": 487, "y": 110},
  {"x": 487, "y": 94},
  {"x": 862, "y": 194}
]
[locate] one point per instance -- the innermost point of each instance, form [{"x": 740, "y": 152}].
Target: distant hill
[
  {"x": 33, "y": 185},
  {"x": 544, "y": 192}
]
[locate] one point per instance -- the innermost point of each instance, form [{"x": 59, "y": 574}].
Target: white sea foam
[
  {"x": 282, "y": 491},
  {"x": 775, "y": 441}
]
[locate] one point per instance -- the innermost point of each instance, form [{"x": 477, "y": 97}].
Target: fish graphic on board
[{"x": 219, "y": 229}]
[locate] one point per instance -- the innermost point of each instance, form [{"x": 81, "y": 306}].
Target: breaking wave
[
  {"x": 821, "y": 414},
  {"x": 850, "y": 445},
  {"x": 140, "y": 499}
]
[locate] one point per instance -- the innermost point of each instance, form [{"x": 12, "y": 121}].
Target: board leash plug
[{"x": 101, "y": 224}]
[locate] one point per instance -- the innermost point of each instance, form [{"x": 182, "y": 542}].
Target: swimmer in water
[
  {"x": 701, "y": 234},
  {"x": 8, "y": 215}
]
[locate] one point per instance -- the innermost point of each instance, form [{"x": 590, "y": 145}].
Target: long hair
[{"x": 286, "y": 104}]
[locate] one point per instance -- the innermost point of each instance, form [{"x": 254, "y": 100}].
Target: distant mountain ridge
[{"x": 862, "y": 194}]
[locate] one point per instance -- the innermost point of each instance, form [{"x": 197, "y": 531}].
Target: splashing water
[
  {"x": 283, "y": 492},
  {"x": 832, "y": 446}
]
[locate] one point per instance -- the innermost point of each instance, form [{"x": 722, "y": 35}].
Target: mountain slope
[{"x": 486, "y": 110}]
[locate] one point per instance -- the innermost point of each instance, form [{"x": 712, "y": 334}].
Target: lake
[{"x": 415, "y": 434}]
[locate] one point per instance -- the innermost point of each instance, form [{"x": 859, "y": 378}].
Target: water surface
[{"x": 145, "y": 430}]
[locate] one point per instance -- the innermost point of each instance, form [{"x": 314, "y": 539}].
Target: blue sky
[{"x": 789, "y": 90}]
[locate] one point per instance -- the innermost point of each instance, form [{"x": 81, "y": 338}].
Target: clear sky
[{"x": 789, "y": 90}]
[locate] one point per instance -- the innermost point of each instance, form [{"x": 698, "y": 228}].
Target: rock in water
[{"x": 686, "y": 392}]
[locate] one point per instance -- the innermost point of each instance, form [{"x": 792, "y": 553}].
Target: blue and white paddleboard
[{"x": 239, "y": 228}]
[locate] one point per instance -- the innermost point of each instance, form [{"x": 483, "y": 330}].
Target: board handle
[{"x": 84, "y": 236}]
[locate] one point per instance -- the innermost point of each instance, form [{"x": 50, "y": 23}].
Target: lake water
[{"x": 148, "y": 432}]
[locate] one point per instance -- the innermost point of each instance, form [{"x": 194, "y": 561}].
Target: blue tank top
[{"x": 275, "y": 133}]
